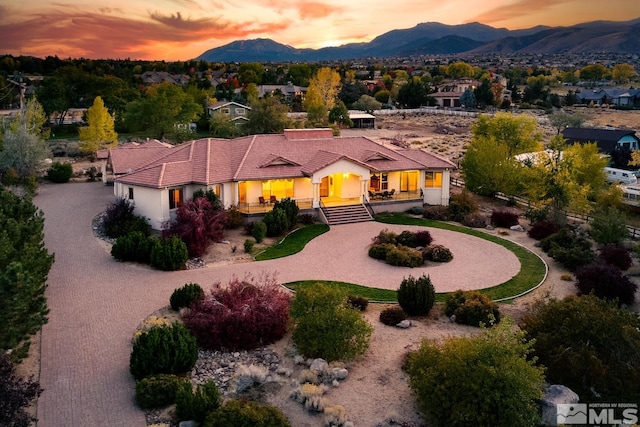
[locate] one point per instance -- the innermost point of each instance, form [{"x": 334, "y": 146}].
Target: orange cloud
[
  {"x": 315, "y": 10},
  {"x": 515, "y": 10}
]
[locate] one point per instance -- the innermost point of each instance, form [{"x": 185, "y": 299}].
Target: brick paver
[{"x": 96, "y": 303}]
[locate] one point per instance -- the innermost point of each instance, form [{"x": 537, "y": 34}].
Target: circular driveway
[{"x": 96, "y": 302}]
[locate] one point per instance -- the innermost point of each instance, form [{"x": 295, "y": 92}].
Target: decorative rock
[
  {"x": 341, "y": 373},
  {"x": 452, "y": 319},
  {"x": 490, "y": 227},
  {"x": 517, "y": 227},
  {"x": 319, "y": 365},
  {"x": 405, "y": 324},
  {"x": 348, "y": 424},
  {"x": 298, "y": 360},
  {"x": 335, "y": 383},
  {"x": 554, "y": 395}
]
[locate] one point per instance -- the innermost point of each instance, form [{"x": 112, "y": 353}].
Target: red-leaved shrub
[
  {"x": 423, "y": 238},
  {"x": 198, "y": 224},
  {"x": 241, "y": 315},
  {"x": 541, "y": 229},
  {"x": 504, "y": 218},
  {"x": 616, "y": 255},
  {"x": 605, "y": 281}
]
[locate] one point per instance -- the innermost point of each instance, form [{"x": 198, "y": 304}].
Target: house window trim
[{"x": 431, "y": 183}]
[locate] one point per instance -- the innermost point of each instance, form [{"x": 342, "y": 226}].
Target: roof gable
[{"x": 276, "y": 160}]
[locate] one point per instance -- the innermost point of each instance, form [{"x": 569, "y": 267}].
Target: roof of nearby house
[
  {"x": 219, "y": 104},
  {"x": 606, "y": 139},
  {"x": 295, "y": 153},
  {"x": 591, "y": 95}
]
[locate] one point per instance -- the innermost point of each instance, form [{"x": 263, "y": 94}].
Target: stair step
[{"x": 346, "y": 214}]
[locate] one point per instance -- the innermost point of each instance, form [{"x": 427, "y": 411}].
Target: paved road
[{"x": 96, "y": 303}]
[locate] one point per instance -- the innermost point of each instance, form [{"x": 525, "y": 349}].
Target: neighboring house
[
  {"x": 155, "y": 77},
  {"x": 235, "y": 111},
  {"x": 623, "y": 97},
  {"x": 290, "y": 91},
  {"x": 362, "y": 120},
  {"x": 310, "y": 166},
  {"x": 595, "y": 97},
  {"x": 606, "y": 139},
  {"x": 448, "y": 94}
]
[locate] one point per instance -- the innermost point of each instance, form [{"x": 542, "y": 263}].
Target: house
[
  {"x": 235, "y": 111},
  {"x": 606, "y": 139},
  {"x": 289, "y": 91},
  {"x": 310, "y": 166},
  {"x": 362, "y": 120},
  {"x": 448, "y": 94},
  {"x": 594, "y": 97},
  {"x": 156, "y": 77}
]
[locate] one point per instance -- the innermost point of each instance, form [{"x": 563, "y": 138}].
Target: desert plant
[
  {"x": 541, "y": 229},
  {"x": 358, "y": 302},
  {"x": 60, "y": 172},
  {"x": 326, "y": 326},
  {"x": 385, "y": 237},
  {"x": 259, "y": 231},
  {"x": 163, "y": 350},
  {"x": 195, "y": 405},
  {"x": 403, "y": 256},
  {"x": 310, "y": 396},
  {"x": 246, "y": 413},
  {"x": 119, "y": 220},
  {"x": 241, "y": 315},
  {"x": 460, "y": 205},
  {"x": 472, "y": 308},
  {"x": 475, "y": 220},
  {"x": 605, "y": 281},
  {"x": 391, "y": 316},
  {"x": 276, "y": 222},
  {"x": 249, "y": 376},
  {"x": 423, "y": 238},
  {"x": 616, "y": 255},
  {"x": 587, "y": 344},
  {"x": 484, "y": 380},
  {"x": 135, "y": 246},
  {"x": 504, "y": 219},
  {"x": 436, "y": 212},
  {"x": 186, "y": 296},
  {"x": 407, "y": 238},
  {"x": 169, "y": 254},
  {"x": 380, "y": 251},
  {"x": 566, "y": 277},
  {"x": 158, "y": 391},
  {"x": 437, "y": 253},
  {"x": 248, "y": 245},
  {"x": 416, "y": 296},
  {"x": 16, "y": 394}
]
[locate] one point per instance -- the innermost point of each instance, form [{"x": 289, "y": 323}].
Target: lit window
[
  {"x": 384, "y": 183},
  {"x": 176, "y": 198},
  {"x": 433, "y": 180}
]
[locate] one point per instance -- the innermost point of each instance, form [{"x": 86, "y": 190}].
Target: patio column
[
  {"x": 364, "y": 188},
  {"x": 316, "y": 195}
]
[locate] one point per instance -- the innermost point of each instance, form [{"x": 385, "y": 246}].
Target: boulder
[
  {"x": 340, "y": 373},
  {"x": 405, "y": 324},
  {"x": 516, "y": 227},
  {"x": 555, "y": 395},
  {"x": 319, "y": 365}
]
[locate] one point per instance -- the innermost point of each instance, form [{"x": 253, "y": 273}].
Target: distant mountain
[{"x": 436, "y": 38}]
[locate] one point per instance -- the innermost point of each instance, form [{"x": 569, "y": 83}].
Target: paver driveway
[{"x": 96, "y": 303}]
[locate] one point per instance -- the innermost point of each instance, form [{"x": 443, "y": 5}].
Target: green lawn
[
  {"x": 532, "y": 268},
  {"x": 293, "y": 242}
]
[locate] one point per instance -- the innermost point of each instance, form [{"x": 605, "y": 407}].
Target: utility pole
[{"x": 18, "y": 81}]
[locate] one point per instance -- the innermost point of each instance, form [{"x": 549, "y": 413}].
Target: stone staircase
[{"x": 346, "y": 214}]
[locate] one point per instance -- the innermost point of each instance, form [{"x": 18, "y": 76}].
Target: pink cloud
[{"x": 515, "y": 10}]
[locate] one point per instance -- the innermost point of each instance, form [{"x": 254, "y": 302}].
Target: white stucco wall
[
  {"x": 341, "y": 166},
  {"x": 147, "y": 202}
]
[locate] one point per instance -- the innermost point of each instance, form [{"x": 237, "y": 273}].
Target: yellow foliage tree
[
  {"x": 99, "y": 133},
  {"x": 322, "y": 93}
]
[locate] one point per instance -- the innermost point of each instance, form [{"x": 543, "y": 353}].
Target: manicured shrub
[
  {"x": 605, "y": 281},
  {"x": 259, "y": 231},
  {"x": 415, "y": 210},
  {"x": 403, "y": 256},
  {"x": 307, "y": 219},
  {"x": 391, "y": 316},
  {"x": 290, "y": 208},
  {"x": 234, "y": 217},
  {"x": 158, "y": 391},
  {"x": 327, "y": 326},
  {"x": 135, "y": 246},
  {"x": 475, "y": 220},
  {"x": 186, "y": 296},
  {"x": 423, "y": 238},
  {"x": 119, "y": 220},
  {"x": 608, "y": 226},
  {"x": 198, "y": 224},
  {"x": 169, "y": 254},
  {"x": 358, "y": 302},
  {"x": 483, "y": 380},
  {"x": 568, "y": 249},
  {"x": 541, "y": 229},
  {"x": 379, "y": 251},
  {"x": 196, "y": 405},
  {"x": 461, "y": 205},
  {"x": 416, "y": 296},
  {"x": 385, "y": 237},
  {"x": 472, "y": 308},
  {"x": 60, "y": 172},
  {"x": 436, "y": 212},
  {"x": 276, "y": 222},
  {"x": 163, "y": 350},
  {"x": 504, "y": 219},
  {"x": 437, "y": 253},
  {"x": 616, "y": 255},
  {"x": 564, "y": 237},
  {"x": 248, "y": 245},
  {"x": 407, "y": 238},
  {"x": 246, "y": 413},
  {"x": 588, "y": 344},
  {"x": 16, "y": 394},
  {"x": 241, "y": 315}
]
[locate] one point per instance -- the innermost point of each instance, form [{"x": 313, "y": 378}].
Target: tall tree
[
  {"x": 367, "y": 103},
  {"x": 267, "y": 115},
  {"x": 518, "y": 132},
  {"x": 561, "y": 120},
  {"x": 323, "y": 90},
  {"x": 488, "y": 168},
  {"x": 623, "y": 73},
  {"x": 414, "y": 94},
  {"x": 99, "y": 133},
  {"x": 459, "y": 70}
]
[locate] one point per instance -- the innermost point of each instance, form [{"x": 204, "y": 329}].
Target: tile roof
[{"x": 296, "y": 153}]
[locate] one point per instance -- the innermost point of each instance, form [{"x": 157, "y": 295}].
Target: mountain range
[{"x": 432, "y": 38}]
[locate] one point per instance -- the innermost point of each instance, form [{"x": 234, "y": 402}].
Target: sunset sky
[{"x": 183, "y": 29}]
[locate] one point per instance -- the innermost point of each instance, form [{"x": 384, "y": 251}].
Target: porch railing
[{"x": 258, "y": 208}]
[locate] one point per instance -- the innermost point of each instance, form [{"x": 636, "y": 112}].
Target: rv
[{"x": 620, "y": 176}]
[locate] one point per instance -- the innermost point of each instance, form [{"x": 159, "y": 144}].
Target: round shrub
[
  {"x": 157, "y": 391},
  {"x": 541, "y": 229},
  {"x": 415, "y": 210},
  {"x": 423, "y": 238},
  {"x": 416, "y": 296},
  {"x": 385, "y": 237},
  {"x": 563, "y": 237},
  {"x": 407, "y": 238},
  {"x": 358, "y": 302},
  {"x": 391, "y": 316},
  {"x": 169, "y": 254},
  {"x": 276, "y": 222},
  {"x": 135, "y": 246},
  {"x": 504, "y": 219},
  {"x": 379, "y": 251},
  {"x": 163, "y": 350},
  {"x": 460, "y": 205},
  {"x": 60, "y": 172},
  {"x": 472, "y": 308},
  {"x": 403, "y": 256},
  {"x": 605, "y": 281},
  {"x": 475, "y": 220},
  {"x": 196, "y": 405},
  {"x": 248, "y": 245},
  {"x": 185, "y": 296},
  {"x": 259, "y": 231},
  {"x": 436, "y": 213},
  {"x": 616, "y": 255},
  {"x": 574, "y": 256},
  {"x": 241, "y": 315},
  {"x": 437, "y": 253},
  {"x": 246, "y": 413}
]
